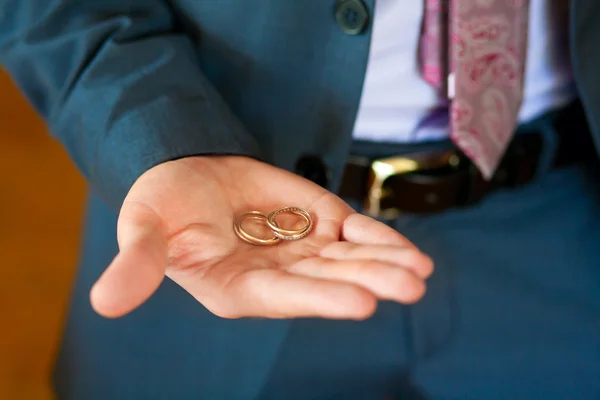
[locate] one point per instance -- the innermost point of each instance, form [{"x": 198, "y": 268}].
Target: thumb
[{"x": 139, "y": 268}]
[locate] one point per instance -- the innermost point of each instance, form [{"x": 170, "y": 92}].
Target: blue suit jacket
[{"x": 128, "y": 84}]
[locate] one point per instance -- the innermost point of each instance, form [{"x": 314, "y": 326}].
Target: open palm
[{"x": 177, "y": 220}]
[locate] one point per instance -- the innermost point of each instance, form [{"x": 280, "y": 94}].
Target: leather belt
[{"x": 432, "y": 182}]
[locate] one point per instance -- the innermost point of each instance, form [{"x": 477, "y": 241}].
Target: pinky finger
[{"x": 360, "y": 229}]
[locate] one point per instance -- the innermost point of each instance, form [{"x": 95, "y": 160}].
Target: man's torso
[{"x": 294, "y": 77}]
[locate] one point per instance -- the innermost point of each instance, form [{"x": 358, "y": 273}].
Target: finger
[
  {"x": 387, "y": 281},
  {"x": 358, "y": 228},
  {"x": 138, "y": 269},
  {"x": 406, "y": 257},
  {"x": 273, "y": 293}
]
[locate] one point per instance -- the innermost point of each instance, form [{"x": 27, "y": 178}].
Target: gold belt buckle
[{"x": 384, "y": 168}]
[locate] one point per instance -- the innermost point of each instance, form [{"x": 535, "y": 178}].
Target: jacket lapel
[{"x": 585, "y": 57}]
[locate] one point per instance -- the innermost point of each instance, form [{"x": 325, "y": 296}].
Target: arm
[
  {"x": 118, "y": 85},
  {"x": 121, "y": 89}
]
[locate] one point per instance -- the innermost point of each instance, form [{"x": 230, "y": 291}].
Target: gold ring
[
  {"x": 287, "y": 234},
  {"x": 248, "y": 238}
]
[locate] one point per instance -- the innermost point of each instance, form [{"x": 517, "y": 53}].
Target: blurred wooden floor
[{"x": 41, "y": 203}]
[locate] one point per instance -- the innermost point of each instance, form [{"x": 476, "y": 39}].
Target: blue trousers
[{"x": 512, "y": 312}]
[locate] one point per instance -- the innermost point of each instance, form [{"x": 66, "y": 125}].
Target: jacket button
[
  {"x": 314, "y": 169},
  {"x": 352, "y": 16}
]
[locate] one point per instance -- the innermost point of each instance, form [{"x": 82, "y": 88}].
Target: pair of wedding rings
[{"x": 279, "y": 233}]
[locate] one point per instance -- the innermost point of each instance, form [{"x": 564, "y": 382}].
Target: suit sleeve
[{"x": 118, "y": 85}]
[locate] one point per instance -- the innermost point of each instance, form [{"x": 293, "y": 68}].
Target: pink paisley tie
[{"x": 474, "y": 51}]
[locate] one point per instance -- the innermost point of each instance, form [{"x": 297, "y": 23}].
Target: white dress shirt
[{"x": 395, "y": 99}]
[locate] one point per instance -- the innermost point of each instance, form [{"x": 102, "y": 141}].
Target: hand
[{"x": 177, "y": 220}]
